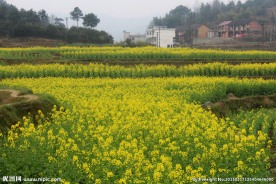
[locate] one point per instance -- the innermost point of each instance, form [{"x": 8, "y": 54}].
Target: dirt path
[
  {"x": 14, "y": 104},
  {"x": 14, "y": 95}
]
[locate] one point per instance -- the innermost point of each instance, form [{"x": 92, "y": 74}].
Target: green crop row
[
  {"x": 138, "y": 71},
  {"x": 133, "y": 54}
]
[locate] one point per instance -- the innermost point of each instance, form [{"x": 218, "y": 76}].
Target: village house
[
  {"x": 202, "y": 32},
  {"x": 196, "y": 31},
  {"x": 180, "y": 34},
  {"x": 134, "y": 38},
  {"x": 161, "y": 36},
  {"x": 239, "y": 28},
  {"x": 223, "y": 29}
]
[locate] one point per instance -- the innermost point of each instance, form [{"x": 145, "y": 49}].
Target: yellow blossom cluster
[
  {"x": 137, "y": 71},
  {"x": 136, "y": 54},
  {"x": 149, "y": 130}
]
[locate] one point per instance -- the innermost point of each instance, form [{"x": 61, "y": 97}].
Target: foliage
[
  {"x": 28, "y": 23},
  {"x": 117, "y": 53},
  {"x": 44, "y": 17},
  {"x": 76, "y": 14},
  {"x": 58, "y": 22},
  {"x": 15, "y": 107},
  {"x": 174, "y": 18},
  {"x": 85, "y": 35},
  {"x": 173, "y": 54},
  {"x": 139, "y": 71},
  {"x": 90, "y": 20},
  {"x": 213, "y": 13},
  {"x": 55, "y": 32},
  {"x": 131, "y": 129}
]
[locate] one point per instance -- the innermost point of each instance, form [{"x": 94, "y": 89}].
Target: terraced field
[{"x": 140, "y": 124}]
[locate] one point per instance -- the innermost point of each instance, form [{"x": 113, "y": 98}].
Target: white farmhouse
[
  {"x": 134, "y": 38},
  {"x": 161, "y": 36}
]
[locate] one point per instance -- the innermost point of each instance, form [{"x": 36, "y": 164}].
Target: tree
[
  {"x": 90, "y": 20},
  {"x": 13, "y": 15},
  {"x": 29, "y": 16},
  {"x": 205, "y": 13},
  {"x": 176, "y": 17},
  {"x": 157, "y": 21},
  {"x": 216, "y": 9},
  {"x": 84, "y": 35},
  {"x": 58, "y": 22},
  {"x": 55, "y": 32},
  {"x": 76, "y": 14},
  {"x": 3, "y": 2},
  {"x": 3, "y": 9},
  {"x": 43, "y": 17}
]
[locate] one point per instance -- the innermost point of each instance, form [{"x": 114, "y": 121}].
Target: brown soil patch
[{"x": 29, "y": 42}]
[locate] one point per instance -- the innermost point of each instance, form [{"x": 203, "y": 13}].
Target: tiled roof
[
  {"x": 225, "y": 23},
  {"x": 239, "y": 22}
]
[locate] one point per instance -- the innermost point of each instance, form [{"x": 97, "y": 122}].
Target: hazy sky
[
  {"x": 115, "y": 15},
  {"x": 115, "y": 8}
]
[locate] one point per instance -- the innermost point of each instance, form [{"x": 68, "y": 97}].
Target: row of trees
[
  {"x": 89, "y": 20},
  {"x": 29, "y": 23}
]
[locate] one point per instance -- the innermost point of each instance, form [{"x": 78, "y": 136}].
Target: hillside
[
  {"x": 216, "y": 12},
  {"x": 21, "y": 23}
]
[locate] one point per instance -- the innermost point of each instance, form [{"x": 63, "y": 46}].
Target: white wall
[
  {"x": 134, "y": 38},
  {"x": 138, "y": 38},
  {"x": 126, "y": 35},
  {"x": 163, "y": 35},
  {"x": 167, "y": 37}
]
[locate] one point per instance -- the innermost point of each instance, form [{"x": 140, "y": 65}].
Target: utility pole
[
  {"x": 262, "y": 23},
  {"x": 272, "y": 29},
  {"x": 159, "y": 36},
  {"x": 233, "y": 31},
  {"x": 157, "y": 40}
]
